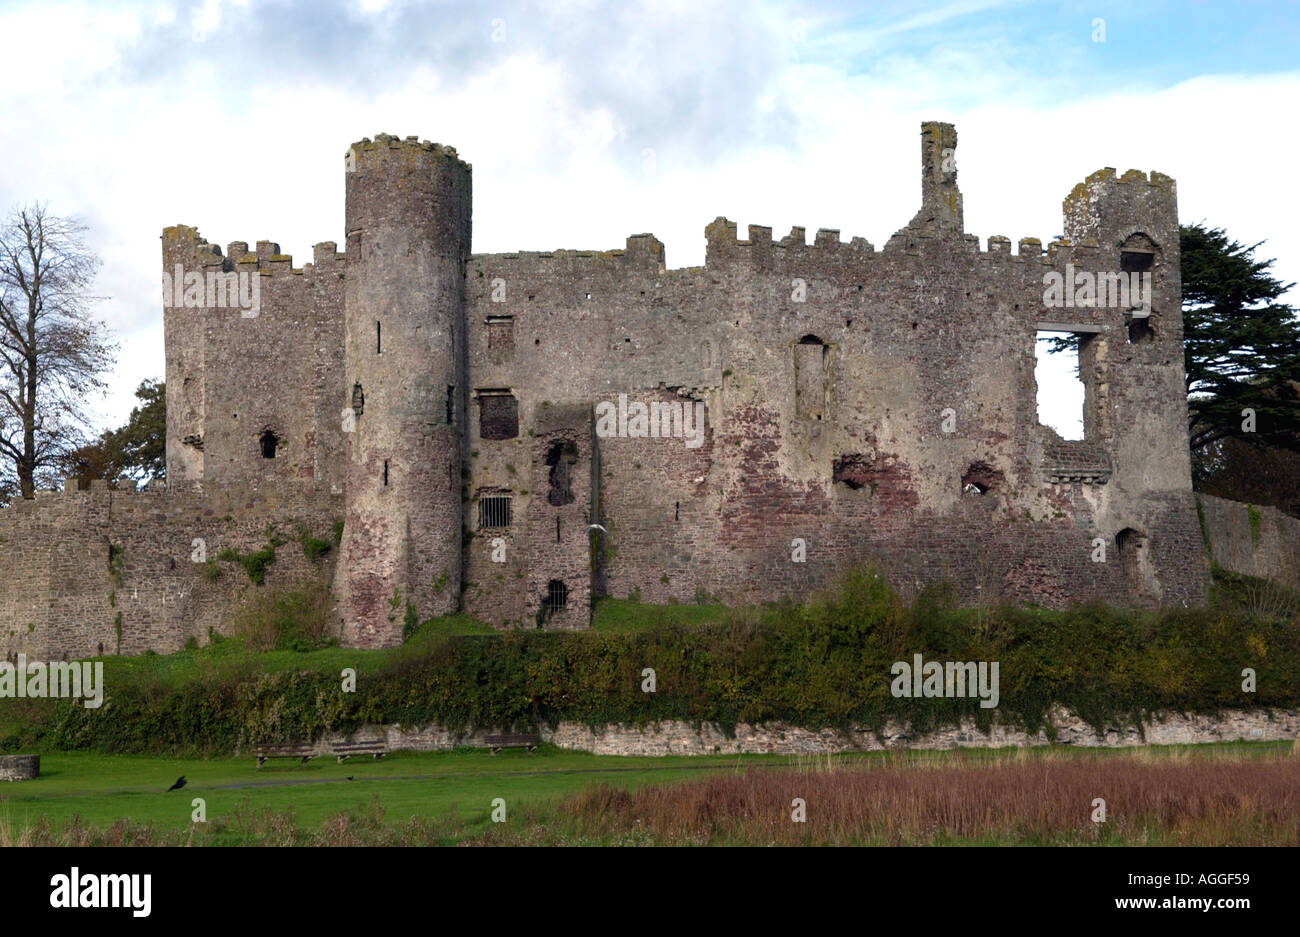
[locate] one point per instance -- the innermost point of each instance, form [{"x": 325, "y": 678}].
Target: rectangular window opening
[
  {"x": 498, "y": 416},
  {"x": 379, "y": 342},
  {"x": 1061, "y": 392},
  {"x": 501, "y": 332},
  {"x": 1136, "y": 261}
]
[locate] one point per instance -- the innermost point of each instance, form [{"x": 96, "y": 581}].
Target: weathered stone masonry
[
  {"x": 875, "y": 404},
  {"x": 102, "y": 572}
]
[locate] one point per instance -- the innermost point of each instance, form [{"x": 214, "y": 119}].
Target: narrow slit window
[
  {"x": 385, "y": 473},
  {"x": 560, "y": 458},
  {"x": 557, "y": 530},
  {"x": 379, "y": 340}
]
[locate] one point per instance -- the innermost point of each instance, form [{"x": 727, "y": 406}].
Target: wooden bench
[
  {"x": 345, "y": 750},
  {"x": 498, "y": 742},
  {"x": 300, "y": 750}
]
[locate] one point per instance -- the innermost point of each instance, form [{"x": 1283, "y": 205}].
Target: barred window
[
  {"x": 494, "y": 511},
  {"x": 557, "y": 596}
]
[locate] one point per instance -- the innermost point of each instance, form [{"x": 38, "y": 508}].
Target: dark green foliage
[
  {"x": 315, "y": 547},
  {"x": 254, "y": 564},
  {"x": 824, "y": 663},
  {"x": 410, "y": 622},
  {"x": 287, "y": 620},
  {"x": 136, "y": 450},
  {"x": 1241, "y": 343}
]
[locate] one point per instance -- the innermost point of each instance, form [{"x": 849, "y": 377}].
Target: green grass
[
  {"x": 624, "y": 616},
  {"x": 452, "y": 625},
  {"x": 102, "y": 789},
  {"x": 454, "y": 789},
  {"x": 232, "y": 656}
]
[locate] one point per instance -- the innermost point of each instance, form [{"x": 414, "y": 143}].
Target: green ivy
[{"x": 824, "y": 663}]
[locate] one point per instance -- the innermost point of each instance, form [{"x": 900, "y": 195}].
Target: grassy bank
[{"x": 822, "y": 663}]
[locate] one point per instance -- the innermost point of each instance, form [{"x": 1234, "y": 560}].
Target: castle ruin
[{"x": 511, "y": 435}]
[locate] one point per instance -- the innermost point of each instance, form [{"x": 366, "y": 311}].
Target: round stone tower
[{"x": 408, "y": 239}]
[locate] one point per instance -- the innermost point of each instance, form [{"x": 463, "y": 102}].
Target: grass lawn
[
  {"x": 460, "y": 785},
  {"x": 101, "y": 789},
  {"x": 626, "y": 615}
]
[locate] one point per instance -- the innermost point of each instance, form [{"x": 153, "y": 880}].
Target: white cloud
[{"x": 742, "y": 120}]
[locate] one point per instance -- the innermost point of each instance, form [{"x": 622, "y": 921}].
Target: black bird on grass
[{"x": 180, "y": 782}]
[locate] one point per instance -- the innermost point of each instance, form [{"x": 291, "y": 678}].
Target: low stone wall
[
  {"x": 1257, "y": 541},
  {"x": 682, "y": 738},
  {"x": 19, "y": 767}
]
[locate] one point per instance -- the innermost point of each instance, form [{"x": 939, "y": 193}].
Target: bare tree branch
[{"x": 53, "y": 352}]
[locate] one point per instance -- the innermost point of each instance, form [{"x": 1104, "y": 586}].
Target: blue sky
[
  {"x": 1147, "y": 44},
  {"x": 586, "y": 122}
]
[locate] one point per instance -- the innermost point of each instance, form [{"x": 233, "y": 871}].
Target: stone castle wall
[
  {"x": 859, "y": 405},
  {"x": 825, "y": 410},
  {"x": 1257, "y": 541},
  {"x": 113, "y": 571},
  {"x": 235, "y": 374}
]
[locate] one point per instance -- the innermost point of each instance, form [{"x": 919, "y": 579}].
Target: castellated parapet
[{"x": 513, "y": 435}]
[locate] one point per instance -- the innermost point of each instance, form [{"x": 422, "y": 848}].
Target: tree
[
  {"x": 139, "y": 447},
  {"x": 1241, "y": 346},
  {"x": 136, "y": 450},
  {"x": 1234, "y": 469},
  {"x": 52, "y": 353}
]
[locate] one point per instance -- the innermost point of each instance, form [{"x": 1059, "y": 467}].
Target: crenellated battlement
[
  {"x": 724, "y": 247},
  {"x": 760, "y": 250},
  {"x": 1108, "y": 208},
  {"x": 183, "y": 244},
  {"x": 366, "y": 152}
]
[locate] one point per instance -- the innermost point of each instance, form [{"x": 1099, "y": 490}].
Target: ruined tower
[
  {"x": 1133, "y": 370},
  {"x": 408, "y": 240}
]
